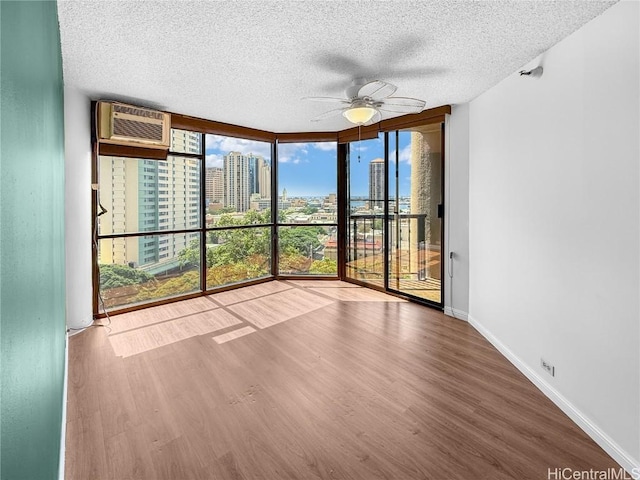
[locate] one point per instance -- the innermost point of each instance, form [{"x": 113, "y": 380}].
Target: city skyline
[{"x": 310, "y": 169}]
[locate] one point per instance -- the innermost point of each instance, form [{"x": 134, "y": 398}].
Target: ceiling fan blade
[
  {"x": 326, "y": 99},
  {"x": 329, "y": 114},
  {"x": 377, "y": 90},
  {"x": 375, "y": 119},
  {"x": 402, "y": 105}
]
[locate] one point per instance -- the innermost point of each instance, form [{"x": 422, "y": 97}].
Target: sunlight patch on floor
[{"x": 232, "y": 314}]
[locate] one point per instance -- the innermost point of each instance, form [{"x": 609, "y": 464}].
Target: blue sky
[{"x": 310, "y": 169}]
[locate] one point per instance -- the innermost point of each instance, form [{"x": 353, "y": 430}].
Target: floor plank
[{"x": 334, "y": 382}]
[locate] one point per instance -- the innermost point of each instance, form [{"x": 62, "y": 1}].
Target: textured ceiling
[{"x": 250, "y": 62}]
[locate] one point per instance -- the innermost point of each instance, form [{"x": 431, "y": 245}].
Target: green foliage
[
  {"x": 253, "y": 267},
  {"x": 187, "y": 282},
  {"x": 249, "y": 218},
  {"x": 309, "y": 210},
  {"x": 190, "y": 256},
  {"x": 112, "y": 276},
  {"x": 293, "y": 263},
  {"x": 324, "y": 267},
  {"x": 239, "y": 254},
  {"x": 297, "y": 240},
  {"x": 238, "y": 244}
]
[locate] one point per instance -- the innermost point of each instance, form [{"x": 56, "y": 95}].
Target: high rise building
[
  {"x": 245, "y": 175},
  {"x": 264, "y": 183},
  {"x": 183, "y": 141},
  {"x": 376, "y": 183},
  {"x": 237, "y": 181},
  {"x": 255, "y": 165},
  {"x": 259, "y": 175},
  {"x": 147, "y": 196},
  {"x": 214, "y": 184}
]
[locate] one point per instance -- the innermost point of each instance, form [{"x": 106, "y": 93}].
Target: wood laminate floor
[{"x": 307, "y": 380}]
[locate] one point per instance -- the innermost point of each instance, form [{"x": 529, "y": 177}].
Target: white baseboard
[
  {"x": 454, "y": 312},
  {"x": 631, "y": 465},
  {"x": 63, "y": 433}
]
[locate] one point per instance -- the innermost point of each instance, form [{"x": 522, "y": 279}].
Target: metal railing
[{"x": 408, "y": 248}]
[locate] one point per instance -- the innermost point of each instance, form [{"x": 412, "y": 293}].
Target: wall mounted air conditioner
[{"x": 123, "y": 124}]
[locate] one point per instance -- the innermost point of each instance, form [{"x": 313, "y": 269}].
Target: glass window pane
[
  {"x": 416, "y": 228},
  {"x": 238, "y": 180},
  {"x": 135, "y": 270},
  {"x": 307, "y": 182},
  {"x": 142, "y": 195},
  {"x": 365, "y": 212},
  {"x": 183, "y": 141},
  {"x": 237, "y": 255},
  {"x": 418, "y": 258},
  {"x": 307, "y": 250}
]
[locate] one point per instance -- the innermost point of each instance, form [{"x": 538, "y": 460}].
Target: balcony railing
[{"x": 414, "y": 263}]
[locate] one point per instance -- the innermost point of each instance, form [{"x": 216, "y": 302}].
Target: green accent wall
[{"x": 32, "y": 277}]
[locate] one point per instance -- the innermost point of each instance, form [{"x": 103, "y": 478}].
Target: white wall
[
  {"x": 456, "y": 164},
  {"x": 554, "y": 225},
  {"x": 78, "y": 208}
]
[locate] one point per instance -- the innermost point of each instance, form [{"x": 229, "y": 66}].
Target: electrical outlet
[{"x": 551, "y": 370}]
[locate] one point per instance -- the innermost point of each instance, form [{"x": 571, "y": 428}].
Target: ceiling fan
[{"x": 365, "y": 101}]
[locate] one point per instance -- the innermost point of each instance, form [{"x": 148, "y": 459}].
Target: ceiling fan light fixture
[{"x": 359, "y": 115}]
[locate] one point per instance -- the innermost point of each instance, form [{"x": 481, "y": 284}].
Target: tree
[
  {"x": 293, "y": 263},
  {"x": 299, "y": 240},
  {"x": 113, "y": 276},
  {"x": 187, "y": 282},
  {"x": 238, "y": 244},
  {"x": 246, "y": 252},
  {"x": 309, "y": 210},
  {"x": 325, "y": 266},
  {"x": 253, "y": 267},
  {"x": 190, "y": 256}
]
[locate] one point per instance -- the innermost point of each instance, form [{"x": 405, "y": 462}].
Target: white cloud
[
  {"x": 230, "y": 144},
  {"x": 325, "y": 146},
  {"x": 405, "y": 155},
  {"x": 295, "y": 153},
  {"x": 290, "y": 152},
  {"x": 214, "y": 160}
]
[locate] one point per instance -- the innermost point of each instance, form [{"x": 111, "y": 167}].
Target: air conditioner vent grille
[
  {"x": 138, "y": 112},
  {"x": 131, "y": 128},
  {"x": 121, "y": 124}
]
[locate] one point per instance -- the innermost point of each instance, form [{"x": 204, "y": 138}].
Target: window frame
[{"x": 203, "y": 127}]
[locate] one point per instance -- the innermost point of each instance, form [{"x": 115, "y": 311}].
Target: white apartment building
[{"x": 148, "y": 195}]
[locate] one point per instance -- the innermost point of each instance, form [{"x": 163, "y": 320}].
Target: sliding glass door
[
  {"x": 415, "y": 179},
  {"x": 395, "y": 212},
  {"x": 366, "y": 179}
]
